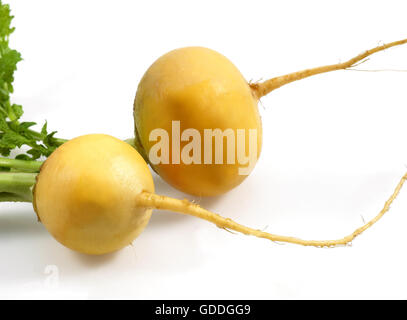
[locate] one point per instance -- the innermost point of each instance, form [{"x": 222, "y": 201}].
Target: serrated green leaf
[
  {"x": 8, "y": 64},
  {"x": 5, "y": 20},
  {"x": 49, "y": 140},
  {"x": 3, "y": 125},
  {"x": 12, "y": 138},
  {"x": 26, "y": 125},
  {"x": 13, "y": 133},
  {"x": 44, "y": 129},
  {"x": 17, "y": 110},
  {"x": 35, "y": 153}
]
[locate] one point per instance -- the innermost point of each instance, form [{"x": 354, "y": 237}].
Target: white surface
[{"x": 334, "y": 149}]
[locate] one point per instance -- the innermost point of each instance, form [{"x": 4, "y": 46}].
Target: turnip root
[
  {"x": 199, "y": 88},
  {"x": 95, "y": 195}
]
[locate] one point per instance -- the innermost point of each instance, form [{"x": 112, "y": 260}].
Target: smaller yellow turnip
[{"x": 95, "y": 195}]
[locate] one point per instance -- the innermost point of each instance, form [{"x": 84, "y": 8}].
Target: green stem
[
  {"x": 17, "y": 186},
  {"x": 21, "y": 165}
]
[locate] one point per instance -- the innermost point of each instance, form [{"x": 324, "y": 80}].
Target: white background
[{"x": 334, "y": 149}]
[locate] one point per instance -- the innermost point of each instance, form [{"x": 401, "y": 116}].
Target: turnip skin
[
  {"x": 86, "y": 190},
  {"x": 203, "y": 90}
]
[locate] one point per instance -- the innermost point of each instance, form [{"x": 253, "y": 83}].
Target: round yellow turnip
[
  {"x": 200, "y": 89},
  {"x": 95, "y": 195}
]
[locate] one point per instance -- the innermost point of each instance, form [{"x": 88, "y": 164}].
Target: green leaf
[
  {"x": 5, "y": 20},
  {"x": 14, "y": 134},
  {"x": 17, "y": 110},
  {"x": 26, "y": 125},
  {"x": 3, "y": 125},
  {"x": 23, "y": 157},
  {"x": 12, "y": 138},
  {"x": 44, "y": 129},
  {"x": 36, "y": 153},
  {"x": 8, "y": 64}
]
